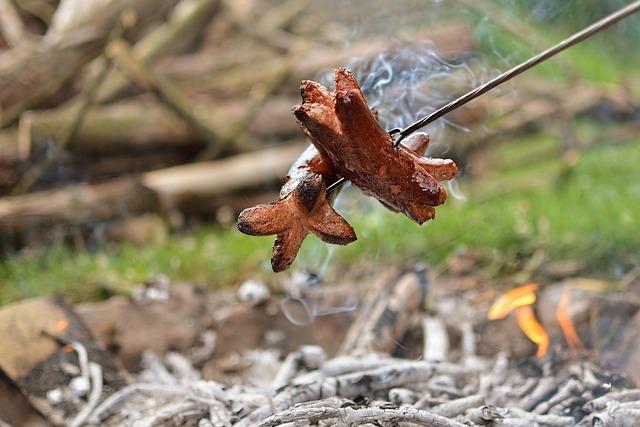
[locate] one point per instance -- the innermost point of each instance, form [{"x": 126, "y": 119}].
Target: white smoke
[{"x": 409, "y": 81}]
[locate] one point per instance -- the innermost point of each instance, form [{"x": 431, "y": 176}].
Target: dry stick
[
  {"x": 40, "y": 9},
  {"x": 85, "y": 100},
  {"x": 453, "y": 41},
  {"x": 11, "y": 25},
  {"x": 453, "y": 408},
  {"x": 135, "y": 68},
  {"x": 155, "y": 43},
  {"x": 275, "y": 37},
  {"x": 143, "y": 123},
  {"x": 350, "y": 416},
  {"x": 272, "y": 36},
  {"x": 238, "y": 130},
  {"x": 209, "y": 63},
  {"x": 282, "y": 15},
  {"x": 120, "y": 53},
  {"x": 351, "y": 385},
  {"x": 395, "y": 305},
  {"x": 83, "y": 203},
  {"x": 40, "y": 69},
  {"x": 601, "y": 402}
]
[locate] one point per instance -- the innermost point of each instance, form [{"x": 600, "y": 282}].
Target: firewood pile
[
  {"x": 402, "y": 348},
  {"x": 144, "y": 111}
]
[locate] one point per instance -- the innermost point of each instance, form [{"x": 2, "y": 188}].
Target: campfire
[
  {"x": 132, "y": 122},
  {"x": 410, "y": 352},
  {"x": 520, "y": 300}
]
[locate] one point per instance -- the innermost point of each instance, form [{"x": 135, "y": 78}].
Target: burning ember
[
  {"x": 533, "y": 329},
  {"x": 565, "y": 322},
  {"x": 521, "y": 300},
  {"x": 511, "y": 300},
  {"x": 62, "y": 325}
]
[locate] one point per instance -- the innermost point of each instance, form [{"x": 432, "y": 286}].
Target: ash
[
  {"x": 373, "y": 389},
  {"x": 400, "y": 362}
]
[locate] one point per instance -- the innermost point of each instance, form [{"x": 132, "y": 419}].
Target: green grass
[
  {"x": 208, "y": 256},
  {"x": 607, "y": 57},
  {"x": 590, "y": 215}
]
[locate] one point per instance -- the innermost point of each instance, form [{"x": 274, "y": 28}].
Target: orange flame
[
  {"x": 533, "y": 329},
  {"x": 565, "y": 321},
  {"x": 520, "y": 300},
  {"x": 517, "y": 297}
]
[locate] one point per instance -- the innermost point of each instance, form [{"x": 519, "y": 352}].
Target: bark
[
  {"x": 180, "y": 29},
  {"x": 394, "y": 306},
  {"x": 152, "y": 191},
  {"x": 37, "y": 70},
  {"x": 452, "y": 42},
  {"x": 143, "y": 123},
  {"x": 78, "y": 204}
]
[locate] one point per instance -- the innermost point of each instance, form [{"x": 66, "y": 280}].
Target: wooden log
[
  {"x": 181, "y": 27},
  {"x": 392, "y": 308},
  {"x": 450, "y": 42},
  {"x": 37, "y": 70},
  {"x": 143, "y": 123},
  {"x": 11, "y": 25},
  {"x": 78, "y": 204},
  {"x": 211, "y": 179},
  {"x": 93, "y": 168},
  {"x": 150, "y": 192},
  {"x": 9, "y": 146}
]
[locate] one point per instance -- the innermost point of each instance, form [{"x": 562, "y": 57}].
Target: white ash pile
[
  {"x": 373, "y": 389},
  {"x": 414, "y": 352}
]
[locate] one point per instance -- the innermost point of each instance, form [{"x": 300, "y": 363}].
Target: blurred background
[{"x": 134, "y": 131}]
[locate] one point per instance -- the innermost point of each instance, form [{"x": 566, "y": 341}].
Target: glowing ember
[
  {"x": 520, "y": 300},
  {"x": 511, "y": 300},
  {"x": 62, "y": 325},
  {"x": 565, "y": 321},
  {"x": 533, "y": 329}
]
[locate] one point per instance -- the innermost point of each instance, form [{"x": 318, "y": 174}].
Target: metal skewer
[
  {"x": 518, "y": 69},
  {"x": 508, "y": 75}
]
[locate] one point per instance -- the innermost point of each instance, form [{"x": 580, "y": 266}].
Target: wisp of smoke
[{"x": 409, "y": 81}]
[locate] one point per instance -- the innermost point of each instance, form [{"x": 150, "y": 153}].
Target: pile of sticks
[{"x": 121, "y": 108}]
